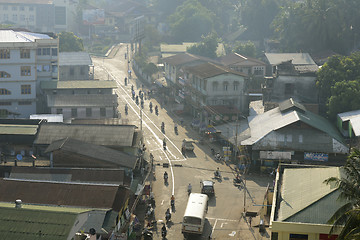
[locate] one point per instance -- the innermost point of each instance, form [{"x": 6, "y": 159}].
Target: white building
[
  {"x": 40, "y": 15},
  {"x": 26, "y": 59}
]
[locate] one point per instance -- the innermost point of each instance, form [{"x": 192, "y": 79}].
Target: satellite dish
[{"x": 19, "y": 157}]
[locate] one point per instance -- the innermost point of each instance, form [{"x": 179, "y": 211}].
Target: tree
[
  {"x": 69, "y": 42},
  {"x": 247, "y": 49},
  {"x": 191, "y": 21},
  {"x": 335, "y": 79},
  {"x": 207, "y": 47},
  {"x": 348, "y": 215}
]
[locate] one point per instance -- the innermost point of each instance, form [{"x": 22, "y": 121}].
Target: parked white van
[{"x": 194, "y": 217}]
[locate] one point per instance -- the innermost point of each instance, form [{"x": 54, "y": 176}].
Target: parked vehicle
[{"x": 187, "y": 145}]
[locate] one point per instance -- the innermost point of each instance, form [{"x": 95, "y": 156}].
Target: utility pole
[
  {"x": 140, "y": 119},
  {"x": 236, "y": 143}
]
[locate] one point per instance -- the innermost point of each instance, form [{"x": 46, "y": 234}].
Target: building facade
[
  {"x": 26, "y": 59},
  {"x": 40, "y": 15}
]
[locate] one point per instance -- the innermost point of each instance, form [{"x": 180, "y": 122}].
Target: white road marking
[
  {"x": 162, "y": 202},
  {"x": 222, "y": 219},
  {"x": 212, "y": 230}
]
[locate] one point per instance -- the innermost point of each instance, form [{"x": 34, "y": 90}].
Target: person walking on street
[{"x": 250, "y": 220}]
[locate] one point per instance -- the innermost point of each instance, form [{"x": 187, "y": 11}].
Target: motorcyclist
[
  {"x": 217, "y": 172},
  {"x": 162, "y": 126},
  {"x": 164, "y": 143},
  {"x": 142, "y": 103},
  {"x": 156, "y": 109},
  {"x": 126, "y": 109},
  {"x": 167, "y": 215},
  {"x": 150, "y": 105},
  {"x": 189, "y": 188},
  {"x": 165, "y": 177},
  {"x": 176, "y": 128},
  {"x": 172, "y": 201},
  {"x": 137, "y": 100},
  {"x": 163, "y": 231}
]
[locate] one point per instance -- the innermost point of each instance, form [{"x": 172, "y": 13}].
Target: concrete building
[
  {"x": 247, "y": 65},
  {"x": 75, "y": 66},
  {"x": 26, "y": 59},
  {"x": 39, "y": 15},
  {"x": 290, "y": 75},
  {"x": 209, "y": 88}
]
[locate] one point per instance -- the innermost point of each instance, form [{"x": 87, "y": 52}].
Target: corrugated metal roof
[
  {"x": 104, "y": 135},
  {"x": 48, "y": 117},
  {"x": 297, "y": 58},
  {"x": 274, "y": 119},
  {"x": 30, "y": 224},
  {"x": 183, "y": 58},
  {"x": 64, "y": 194},
  {"x": 207, "y": 70},
  {"x": 77, "y": 84},
  {"x": 74, "y": 59},
  {"x": 240, "y": 60},
  {"x": 13, "y": 36},
  {"x": 12, "y": 129},
  {"x": 85, "y": 175},
  {"x": 348, "y": 115},
  {"x": 82, "y": 100},
  {"x": 355, "y": 123},
  {"x": 94, "y": 151},
  {"x": 45, "y": 207},
  {"x": 28, "y": 1},
  {"x": 302, "y": 187}
]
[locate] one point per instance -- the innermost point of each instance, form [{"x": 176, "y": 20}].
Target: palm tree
[{"x": 348, "y": 216}]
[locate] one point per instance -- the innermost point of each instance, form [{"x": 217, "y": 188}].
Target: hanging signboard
[
  {"x": 275, "y": 155},
  {"x": 323, "y": 157}
]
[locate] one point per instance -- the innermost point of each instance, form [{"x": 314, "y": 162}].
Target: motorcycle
[
  {"x": 137, "y": 100},
  {"x": 147, "y": 234},
  {"x": 218, "y": 157},
  {"x": 163, "y": 127},
  {"x": 217, "y": 174},
  {"x": 176, "y": 130},
  {"x": 238, "y": 180},
  {"x": 142, "y": 103},
  {"x": 156, "y": 110},
  {"x": 165, "y": 178},
  {"x": 163, "y": 232},
  {"x": 126, "y": 109},
  {"x": 167, "y": 215},
  {"x": 164, "y": 145}
]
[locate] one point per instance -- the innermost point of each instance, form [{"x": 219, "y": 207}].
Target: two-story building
[
  {"x": 210, "y": 87},
  {"x": 247, "y": 65},
  {"x": 26, "y": 59},
  {"x": 290, "y": 75},
  {"x": 75, "y": 66}
]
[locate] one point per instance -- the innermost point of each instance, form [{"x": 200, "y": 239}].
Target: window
[
  {"x": 5, "y": 7},
  {"x": 46, "y": 68},
  {"x": 54, "y": 51},
  {"x": 6, "y": 17},
  {"x": 24, "y": 53},
  {"x": 298, "y": 236},
  {"x": 25, "y": 89},
  {"x": 22, "y": 17},
  {"x": 236, "y": 86},
  {"x": 14, "y": 17},
  {"x": 5, "y": 103},
  {"x": 25, "y": 71},
  {"x": 4, "y": 74},
  {"x": 46, "y": 51},
  {"x": 258, "y": 71},
  {"x": 225, "y": 86},
  {"x": 4, "y": 53},
  {"x": 215, "y": 86},
  {"x": 4, "y": 91},
  {"x": 39, "y": 51},
  {"x": 31, "y": 8},
  {"x": 73, "y": 112},
  {"x": 24, "y": 103},
  {"x": 88, "y": 112},
  {"x": 22, "y": 8},
  {"x": 14, "y": 8},
  {"x": 59, "y": 111},
  {"x": 102, "y": 112},
  {"x": 72, "y": 71},
  {"x": 289, "y": 88},
  {"x": 31, "y": 18}
]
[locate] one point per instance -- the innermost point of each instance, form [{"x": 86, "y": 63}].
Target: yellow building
[{"x": 303, "y": 203}]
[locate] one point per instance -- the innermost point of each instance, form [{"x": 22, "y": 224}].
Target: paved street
[{"x": 224, "y": 216}]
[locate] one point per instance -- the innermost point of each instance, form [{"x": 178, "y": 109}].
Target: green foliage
[
  {"x": 152, "y": 36},
  {"x": 166, "y": 7},
  {"x": 338, "y": 82},
  {"x": 207, "y": 47},
  {"x": 318, "y": 25},
  {"x": 348, "y": 215},
  {"x": 150, "y": 69},
  {"x": 247, "y": 49},
  {"x": 190, "y": 21},
  {"x": 69, "y": 42},
  {"x": 257, "y": 16}
]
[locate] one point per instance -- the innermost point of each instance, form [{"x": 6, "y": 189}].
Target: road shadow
[
  {"x": 189, "y": 154},
  {"x": 212, "y": 201}
]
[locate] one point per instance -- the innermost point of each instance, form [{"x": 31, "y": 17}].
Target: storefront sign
[
  {"x": 316, "y": 156},
  {"x": 275, "y": 155},
  {"x": 181, "y": 81}
]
